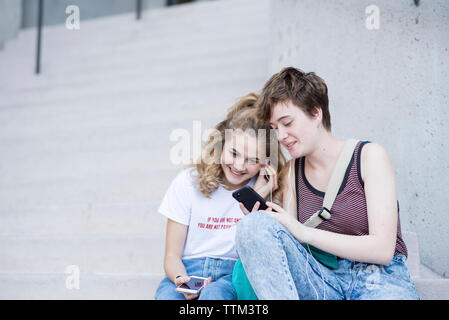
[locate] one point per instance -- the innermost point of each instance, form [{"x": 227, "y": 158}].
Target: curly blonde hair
[{"x": 243, "y": 115}]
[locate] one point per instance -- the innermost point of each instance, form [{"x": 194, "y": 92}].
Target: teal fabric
[
  {"x": 241, "y": 283},
  {"x": 327, "y": 259}
]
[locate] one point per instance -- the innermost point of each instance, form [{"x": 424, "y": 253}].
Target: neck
[{"x": 326, "y": 152}]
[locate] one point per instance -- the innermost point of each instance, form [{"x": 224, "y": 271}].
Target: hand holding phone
[
  {"x": 248, "y": 197},
  {"x": 191, "y": 286}
]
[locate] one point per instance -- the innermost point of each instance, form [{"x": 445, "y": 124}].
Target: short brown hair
[{"x": 306, "y": 90}]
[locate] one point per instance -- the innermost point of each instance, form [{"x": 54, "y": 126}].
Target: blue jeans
[
  {"x": 279, "y": 267},
  {"x": 219, "y": 289}
]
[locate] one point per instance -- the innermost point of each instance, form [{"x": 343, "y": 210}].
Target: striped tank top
[{"x": 349, "y": 214}]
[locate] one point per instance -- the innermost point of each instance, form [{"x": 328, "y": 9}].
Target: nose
[
  {"x": 281, "y": 133},
  {"x": 239, "y": 165}
]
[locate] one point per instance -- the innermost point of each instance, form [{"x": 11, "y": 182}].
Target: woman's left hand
[{"x": 284, "y": 218}]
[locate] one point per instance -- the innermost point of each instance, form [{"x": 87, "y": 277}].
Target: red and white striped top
[{"x": 348, "y": 214}]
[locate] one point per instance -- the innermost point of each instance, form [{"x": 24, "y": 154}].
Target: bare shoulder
[
  {"x": 373, "y": 150},
  {"x": 374, "y": 160}
]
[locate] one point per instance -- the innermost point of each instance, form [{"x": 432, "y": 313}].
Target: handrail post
[
  {"x": 39, "y": 35},
  {"x": 138, "y": 9}
]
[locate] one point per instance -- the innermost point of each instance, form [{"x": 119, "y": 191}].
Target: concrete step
[
  {"x": 92, "y": 286},
  {"x": 83, "y": 219},
  {"x": 432, "y": 289},
  {"x": 78, "y": 158},
  {"x": 126, "y": 105},
  {"x": 166, "y": 22},
  {"x": 428, "y": 284},
  {"x": 133, "y": 124},
  {"x": 96, "y": 189},
  {"x": 158, "y": 64},
  {"x": 142, "y": 61},
  {"x": 91, "y": 54},
  {"x": 84, "y": 43},
  {"x": 105, "y": 254},
  {"x": 138, "y": 83},
  {"x": 416, "y": 268},
  {"x": 413, "y": 260},
  {"x": 427, "y": 273}
]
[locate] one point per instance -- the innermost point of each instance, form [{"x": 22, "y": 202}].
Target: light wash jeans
[
  {"x": 279, "y": 267},
  {"x": 219, "y": 289}
]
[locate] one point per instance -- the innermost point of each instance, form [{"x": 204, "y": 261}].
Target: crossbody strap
[{"x": 334, "y": 185}]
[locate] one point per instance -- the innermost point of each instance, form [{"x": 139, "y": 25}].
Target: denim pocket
[
  {"x": 400, "y": 258},
  {"x": 397, "y": 269}
]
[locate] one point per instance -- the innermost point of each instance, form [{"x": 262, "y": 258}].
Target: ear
[{"x": 318, "y": 114}]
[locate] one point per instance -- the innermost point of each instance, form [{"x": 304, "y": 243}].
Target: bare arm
[
  {"x": 174, "y": 246},
  {"x": 380, "y": 191}
]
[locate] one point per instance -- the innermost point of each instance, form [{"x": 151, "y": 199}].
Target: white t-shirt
[{"x": 211, "y": 221}]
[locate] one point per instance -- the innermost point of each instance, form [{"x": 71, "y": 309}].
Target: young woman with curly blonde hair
[{"x": 202, "y": 214}]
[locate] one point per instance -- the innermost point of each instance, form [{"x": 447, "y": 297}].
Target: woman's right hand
[
  {"x": 245, "y": 211},
  {"x": 185, "y": 279},
  {"x": 181, "y": 280},
  {"x": 263, "y": 186}
]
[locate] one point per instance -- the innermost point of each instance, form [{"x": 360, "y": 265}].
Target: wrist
[
  {"x": 306, "y": 234},
  {"x": 301, "y": 232},
  {"x": 263, "y": 192},
  {"x": 178, "y": 276}
]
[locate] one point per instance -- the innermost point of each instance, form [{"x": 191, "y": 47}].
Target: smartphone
[
  {"x": 194, "y": 286},
  {"x": 249, "y": 197}
]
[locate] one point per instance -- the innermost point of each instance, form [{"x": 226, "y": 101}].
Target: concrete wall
[
  {"x": 389, "y": 85},
  {"x": 10, "y": 19}
]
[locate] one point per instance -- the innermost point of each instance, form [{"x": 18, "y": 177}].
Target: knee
[
  {"x": 167, "y": 291},
  {"x": 222, "y": 289},
  {"x": 254, "y": 228},
  {"x": 246, "y": 227}
]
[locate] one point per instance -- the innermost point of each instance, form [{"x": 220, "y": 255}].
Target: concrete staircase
[
  {"x": 85, "y": 145},
  {"x": 429, "y": 285}
]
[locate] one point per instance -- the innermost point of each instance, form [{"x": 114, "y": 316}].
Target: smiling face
[
  {"x": 240, "y": 159},
  {"x": 295, "y": 130}
]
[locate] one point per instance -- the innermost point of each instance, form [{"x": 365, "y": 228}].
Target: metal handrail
[
  {"x": 138, "y": 9},
  {"x": 40, "y": 19}
]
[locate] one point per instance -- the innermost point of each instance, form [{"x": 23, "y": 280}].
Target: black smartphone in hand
[{"x": 249, "y": 197}]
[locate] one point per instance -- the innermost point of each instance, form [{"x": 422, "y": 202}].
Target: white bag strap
[{"x": 334, "y": 185}]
